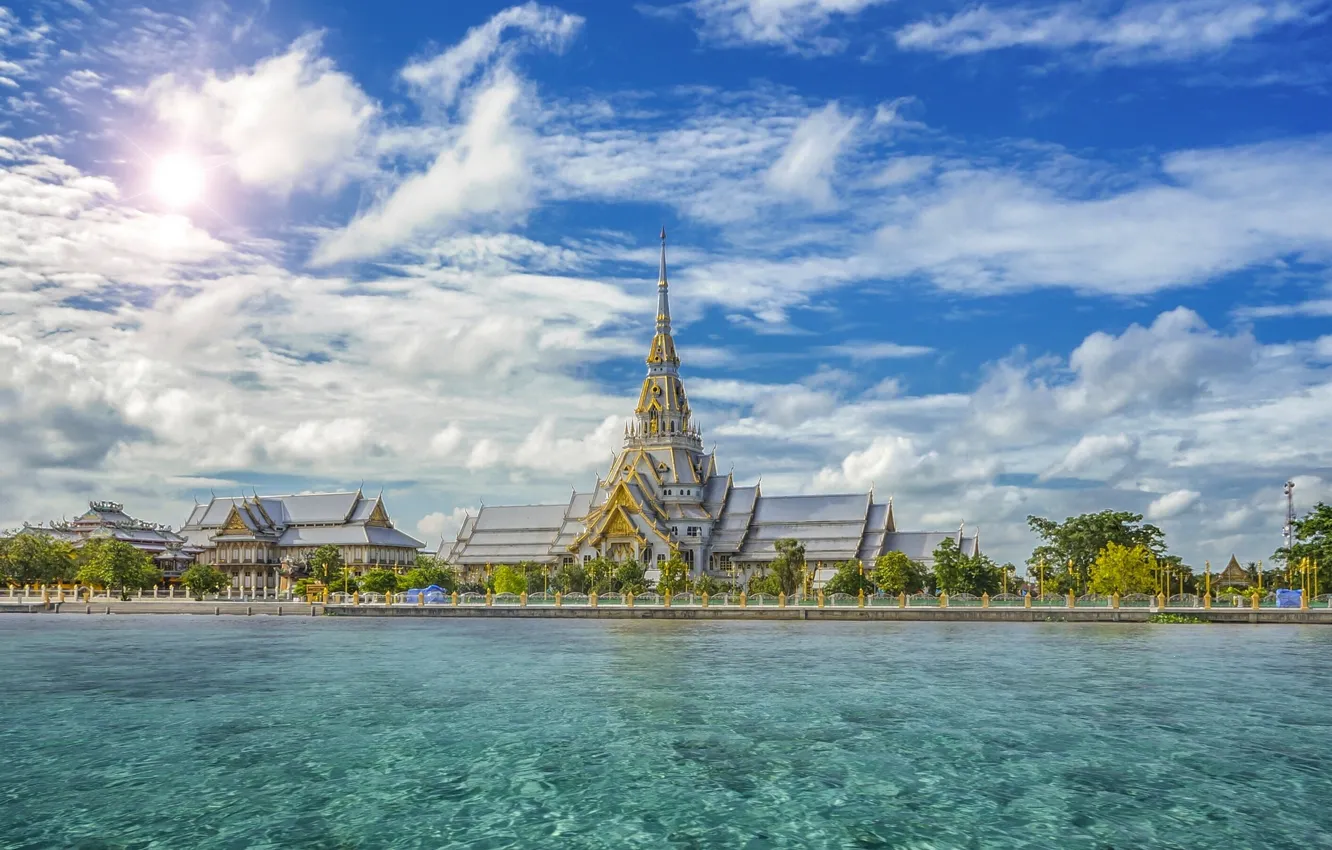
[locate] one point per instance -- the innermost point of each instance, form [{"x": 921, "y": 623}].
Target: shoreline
[{"x": 1261, "y": 616}]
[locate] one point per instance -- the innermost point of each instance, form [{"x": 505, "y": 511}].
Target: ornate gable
[{"x": 379, "y": 516}]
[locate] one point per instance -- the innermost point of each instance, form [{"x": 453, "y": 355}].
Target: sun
[{"x": 178, "y": 180}]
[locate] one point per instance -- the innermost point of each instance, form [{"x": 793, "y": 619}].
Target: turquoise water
[{"x": 202, "y": 732}]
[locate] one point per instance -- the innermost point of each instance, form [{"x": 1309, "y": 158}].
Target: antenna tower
[{"x": 1289, "y": 531}]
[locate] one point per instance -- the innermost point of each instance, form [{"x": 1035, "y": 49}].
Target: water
[{"x": 202, "y": 732}]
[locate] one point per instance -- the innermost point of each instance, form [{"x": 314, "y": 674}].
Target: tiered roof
[{"x": 305, "y": 519}]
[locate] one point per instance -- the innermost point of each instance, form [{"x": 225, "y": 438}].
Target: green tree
[
  {"x": 509, "y": 580},
  {"x": 788, "y": 568},
  {"x": 980, "y": 575},
  {"x": 381, "y": 581},
  {"x": 711, "y": 586},
  {"x": 895, "y": 573},
  {"x": 114, "y": 563},
  {"x": 571, "y": 578},
  {"x": 600, "y": 572},
  {"x": 1312, "y": 539},
  {"x": 1122, "y": 569},
  {"x": 950, "y": 567},
  {"x": 1069, "y": 548},
  {"x": 630, "y": 577},
  {"x": 764, "y": 583},
  {"x": 850, "y": 578},
  {"x": 201, "y": 579},
  {"x": 325, "y": 565},
  {"x": 674, "y": 574},
  {"x": 427, "y": 572},
  {"x": 32, "y": 557}
]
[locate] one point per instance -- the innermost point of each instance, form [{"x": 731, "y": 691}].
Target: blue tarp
[
  {"x": 1288, "y": 598},
  {"x": 433, "y": 593}
]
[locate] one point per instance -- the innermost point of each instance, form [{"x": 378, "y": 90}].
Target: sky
[{"x": 991, "y": 259}]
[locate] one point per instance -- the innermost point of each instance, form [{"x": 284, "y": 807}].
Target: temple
[
  {"x": 170, "y": 551},
  {"x": 259, "y": 541},
  {"x": 664, "y": 495}
]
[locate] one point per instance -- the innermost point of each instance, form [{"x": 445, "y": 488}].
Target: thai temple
[
  {"x": 170, "y": 551},
  {"x": 664, "y": 494},
  {"x": 259, "y": 540}
]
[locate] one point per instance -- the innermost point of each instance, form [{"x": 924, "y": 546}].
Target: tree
[
  {"x": 1071, "y": 547},
  {"x": 1312, "y": 536},
  {"x": 325, "y": 565},
  {"x": 571, "y": 578},
  {"x": 427, "y": 572},
  {"x": 116, "y": 564},
  {"x": 202, "y": 579},
  {"x": 600, "y": 571},
  {"x": 32, "y": 557},
  {"x": 789, "y": 566},
  {"x": 850, "y": 579},
  {"x": 711, "y": 586},
  {"x": 630, "y": 577},
  {"x": 1121, "y": 569},
  {"x": 949, "y": 566},
  {"x": 380, "y": 581},
  {"x": 895, "y": 573},
  {"x": 509, "y": 580},
  {"x": 674, "y": 574},
  {"x": 767, "y": 583}
]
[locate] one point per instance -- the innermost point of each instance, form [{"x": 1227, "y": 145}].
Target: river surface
[{"x": 265, "y": 732}]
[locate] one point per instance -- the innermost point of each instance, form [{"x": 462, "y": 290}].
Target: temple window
[
  {"x": 675, "y": 529},
  {"x": 660, "y": 557}
]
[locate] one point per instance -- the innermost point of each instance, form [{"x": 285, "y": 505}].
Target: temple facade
[
  {"x": 664, "y": 495},
  {"x": 261, "y": 540},
  {"x": 171, "y": 552}
]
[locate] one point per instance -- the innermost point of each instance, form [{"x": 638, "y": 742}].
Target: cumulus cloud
[
  {"x": 442, "y": 76},
  {"x": 484, "y": 172},
  {"x": 805, "y": 168},
  {"x": 293, "y": 121},
  {"x": 1158, "y": 30},
  {"x": 797, "y": 25},
  {"x": 1095, "y": 454},
  {"x": 1172, "y": 504},
  {"x": 441, "y": 525}
]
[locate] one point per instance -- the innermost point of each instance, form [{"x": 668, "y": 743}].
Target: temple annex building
[{"x": 664, "y": 494}]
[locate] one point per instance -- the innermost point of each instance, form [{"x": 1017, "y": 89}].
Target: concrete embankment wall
[{"x": 618, "y": 612}]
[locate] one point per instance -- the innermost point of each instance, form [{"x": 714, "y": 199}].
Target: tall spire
[{"x": 663, "y": 302}]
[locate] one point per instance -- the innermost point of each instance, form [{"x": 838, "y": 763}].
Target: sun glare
[{"x": 178, "y": 180}]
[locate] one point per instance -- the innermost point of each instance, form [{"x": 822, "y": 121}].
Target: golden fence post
[
  {"x": 454, "y": 597},
  {"x": 46, "y": 595},
  {"x": 1161, "y": 601},
  {"x": 744, "y": 597},
  {"x": 1114, "y": 600},
  {"x": 901, "y": 599},
  {"x": 522, "y": 599},
  {"x": 1072, "y": 600},
  {"x": 489, "y": 599},
  {"x": 356, "y": 597},
  {"x": 666, "y": 598},
  {"x": 781, "y": 599},
  {"x": 629, "y": 599},
  {"x": 592, "y": 599},
  {"x": 860, "y": 598},
  {"x": 985, "y": 599},
  {"x": 1026, "y": 601},
  {"x": 705, "y": 599},
  {"x": 820, "y": 597},
  {"x": 1255, "y": 601},
  {"x": 420, "y": 597},
  {"x": 60, "y": 592},
  {"x": 943, "y": 599},
  {"x": 559, "y": 598},
  {"x": 1207, "y": 601}
]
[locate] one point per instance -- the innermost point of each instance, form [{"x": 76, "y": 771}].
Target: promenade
[{"x": 1015, "y": 614}]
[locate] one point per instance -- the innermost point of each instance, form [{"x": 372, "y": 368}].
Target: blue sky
[{"x": 991, "y": 259}]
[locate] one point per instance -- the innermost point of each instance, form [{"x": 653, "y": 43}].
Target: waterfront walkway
[{"x": 676, "y": 611}]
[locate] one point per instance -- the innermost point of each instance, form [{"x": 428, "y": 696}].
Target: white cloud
[
  {"x": 291, "y": 122},
  {"x": 1095, "y": 454},
  {"x": 806, "y": 167},
  {"x": 877, "y": 350},
  {"x": 1158, "y": 30},
  {"x": 484, "y": 173},
  {"x": 443, "y": 76},
  {"x": 439, "y": 525},
  {"x": 1172, "y": 504},
  {"x": 794, "y": 24},
  {"x": 446, "y": 441}
]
